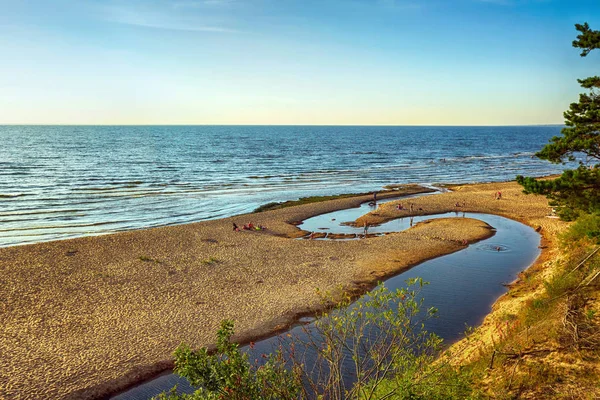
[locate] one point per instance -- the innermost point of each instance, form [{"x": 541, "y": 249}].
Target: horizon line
[{"x": 324, "y": 125}]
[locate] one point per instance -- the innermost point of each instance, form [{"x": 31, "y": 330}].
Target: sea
[{"x": 59, "y": 182}]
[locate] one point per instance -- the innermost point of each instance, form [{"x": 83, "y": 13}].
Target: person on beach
[
  {"x": 374, "y": 197},
  {"x": 366, "y": 230},
  {"x": 249, "y": 227},
  {"x": 400, "y": 207}
]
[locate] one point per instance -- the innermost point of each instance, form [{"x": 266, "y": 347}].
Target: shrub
[
  {"x": 586, "y": 226},
  {"x": 379, "y": 340},
  {"x": 229, "y": 375}
]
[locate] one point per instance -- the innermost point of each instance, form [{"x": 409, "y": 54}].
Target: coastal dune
[{"x": 87, "y": 317}]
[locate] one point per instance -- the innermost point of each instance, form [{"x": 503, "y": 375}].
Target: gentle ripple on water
[{"x": 65, "y": 181}]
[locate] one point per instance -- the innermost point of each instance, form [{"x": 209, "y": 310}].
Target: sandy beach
[{"x": 87, "y": 317}]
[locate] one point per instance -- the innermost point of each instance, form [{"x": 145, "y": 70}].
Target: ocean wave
[
  {"x": 168, "y": 180},
  {"x": 486, "y": 157},
  {"x": 63, "y": 226},
  {"x": 13, "y": 195}
]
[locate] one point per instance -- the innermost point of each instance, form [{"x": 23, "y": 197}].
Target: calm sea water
[{"x": 58, "y": 182}]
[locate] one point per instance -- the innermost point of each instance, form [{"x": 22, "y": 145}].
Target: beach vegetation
[
  {"x": 550, "y": 342},
  {"x": 148, "y": 259},
  {"x": 576, "y": 191},
  {"x": 383, "y": 340},
  {"x": 304, "y": 200},
  {"x": 396, "y": 190},
  {"x": 211, "y": 260},
  {"x": 556, "y": 338},
  {"x": 229, "y": 374},
  {"x": 374, "y": 348},
  {"x": 586, "y": 226}
]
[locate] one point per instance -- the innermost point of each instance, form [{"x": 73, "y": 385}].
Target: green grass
[
  {"x": 211, "y": 261},
  {"x": 148, "y": 259},
  {"x": 304, "y": 200},
  {"x": 409, "y": 189},
  {"x": 586, "y": 226}
]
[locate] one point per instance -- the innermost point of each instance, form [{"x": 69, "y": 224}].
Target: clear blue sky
[{"x": 399, "y": 62}]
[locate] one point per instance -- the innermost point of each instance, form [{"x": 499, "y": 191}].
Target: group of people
[
  {"x": 248, "y": 227},
  {"x": 411, "y": 207}
]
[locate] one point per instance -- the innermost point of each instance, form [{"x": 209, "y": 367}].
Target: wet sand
[{"x": 87, "y": 317}]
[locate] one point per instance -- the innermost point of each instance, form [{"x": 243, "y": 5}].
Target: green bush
[
  {"x": 586, "y": 226},
  {"x": 381, "y": 336},
  {"x": 561, "y": 284},
  {"x": 435, "y": 382},
  {"x": 229, "y": 375}
]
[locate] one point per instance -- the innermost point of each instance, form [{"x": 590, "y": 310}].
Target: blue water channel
[{"x": 462, "y": 285}]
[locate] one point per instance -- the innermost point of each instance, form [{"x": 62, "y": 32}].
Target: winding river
[{"x": 462, "y": 285}]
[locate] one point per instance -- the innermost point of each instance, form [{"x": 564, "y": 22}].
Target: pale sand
[{"x": 85, "y": 317}]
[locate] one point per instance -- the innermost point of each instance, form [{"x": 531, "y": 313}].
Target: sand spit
[
  {"x": 86, "y": 317},
  {"x": 530, "y": 210}
]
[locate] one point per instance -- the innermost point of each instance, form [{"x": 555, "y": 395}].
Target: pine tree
[{"x": 575, "y": 191}]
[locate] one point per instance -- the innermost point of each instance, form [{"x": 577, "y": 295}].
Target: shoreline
[
  {"x": 368, "y": 268},
  {"x": 357, "y": 290},
  {"x": 399, "y": 191},
  {"x": 384, "y": 190},
  {"x": 520, "y": 290}
]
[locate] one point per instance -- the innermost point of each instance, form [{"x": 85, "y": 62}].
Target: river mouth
[
  {"x": 338, "y": 225},
  {"x": 463, "y": 285}
]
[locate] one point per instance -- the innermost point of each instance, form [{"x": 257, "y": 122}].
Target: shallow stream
[{"x": 462, "y": 285}]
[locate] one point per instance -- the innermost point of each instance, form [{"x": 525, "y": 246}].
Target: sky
[{"x": 305, "y": 62}]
